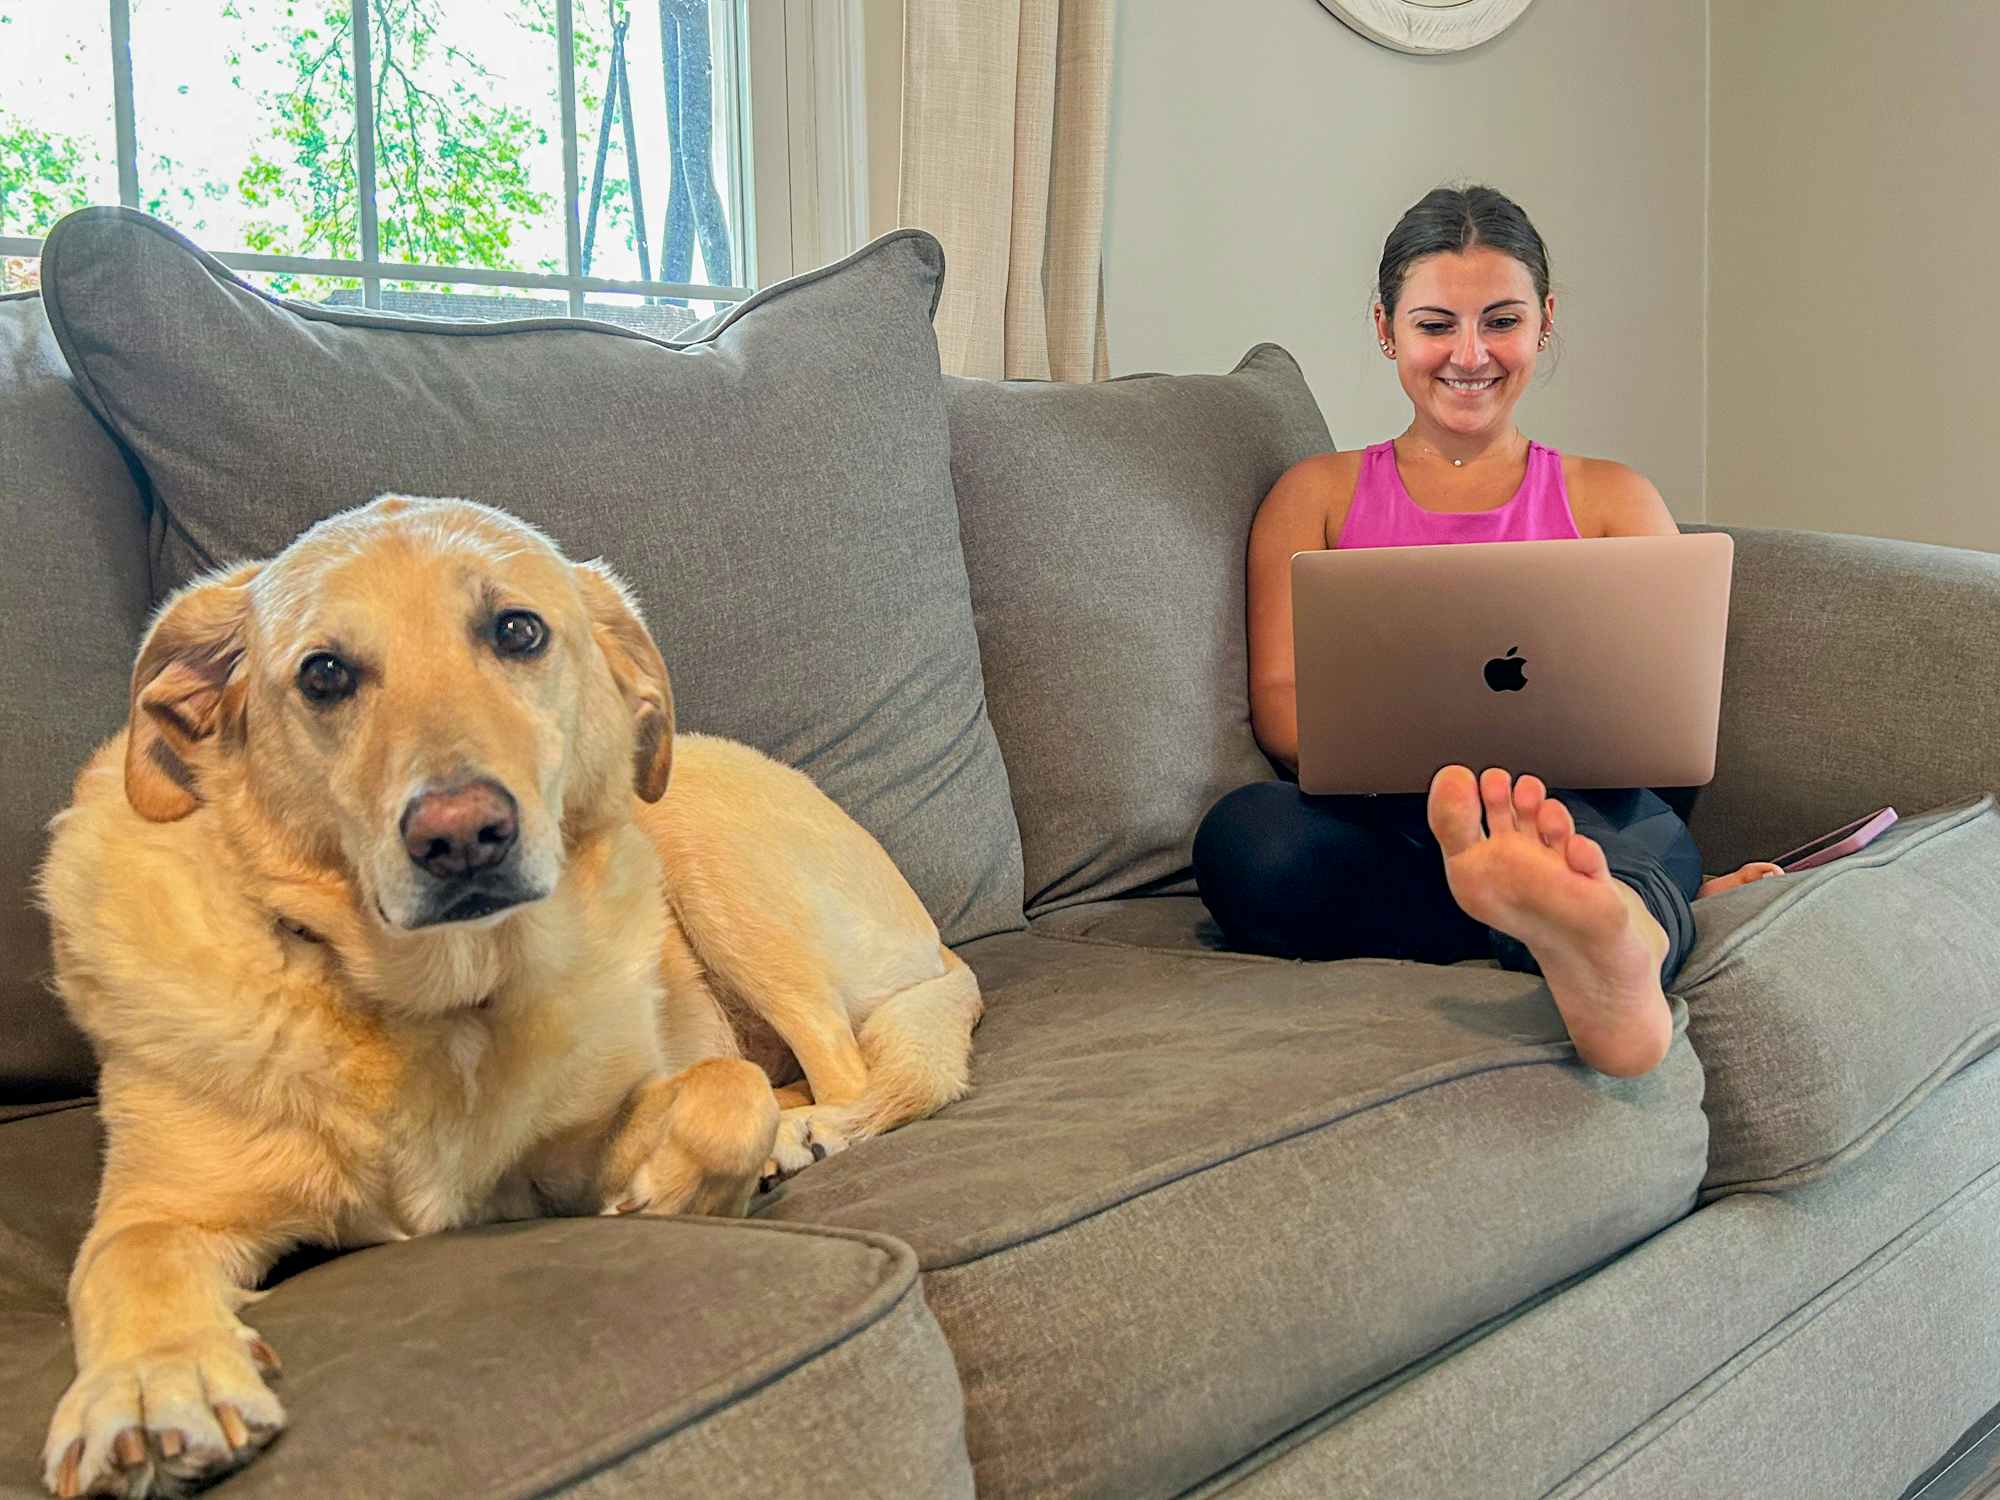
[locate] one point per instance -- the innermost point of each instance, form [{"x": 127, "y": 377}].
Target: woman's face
[{"x": 1465, "y": 334}]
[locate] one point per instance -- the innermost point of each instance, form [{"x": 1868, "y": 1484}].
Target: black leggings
[{"x": 1361, "y": 877}]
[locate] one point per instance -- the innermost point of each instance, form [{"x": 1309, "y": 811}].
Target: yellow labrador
[{"x": 374, "y": 938}]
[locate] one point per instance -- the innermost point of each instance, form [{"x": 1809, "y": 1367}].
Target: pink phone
[{"x": 1829, "y": 847}]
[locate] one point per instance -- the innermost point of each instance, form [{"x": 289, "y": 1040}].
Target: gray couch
[{"x": 1210, "y": 1223}]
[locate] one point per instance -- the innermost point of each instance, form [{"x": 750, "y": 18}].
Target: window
[{"x": 465, "y": 158}]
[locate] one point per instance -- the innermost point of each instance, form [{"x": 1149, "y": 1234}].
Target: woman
[{"x": 1591, "y": 890}]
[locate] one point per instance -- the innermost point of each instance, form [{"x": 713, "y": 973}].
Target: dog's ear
[
  {"x": 639, "y": 671},
  {"x": 186, "y": 692}
]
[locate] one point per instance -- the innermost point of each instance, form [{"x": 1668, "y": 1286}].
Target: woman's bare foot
[
  {"x": 1530, "y": 874},
  {"x": 1760, "y": 869}
]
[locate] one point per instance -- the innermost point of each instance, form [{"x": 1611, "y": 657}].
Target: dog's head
[{"x": 424, "y": 694}]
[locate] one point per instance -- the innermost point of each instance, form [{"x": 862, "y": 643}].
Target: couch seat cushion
[
  {"x": 73, "y": 598},
  {"x": 1826, "y": 1006},
  {"x": 1105, "y": 528},
  {"x": 776, "y": 490},
  {"x": 1197, "y": 1198},
  {"x": 624, "y": 1356}
]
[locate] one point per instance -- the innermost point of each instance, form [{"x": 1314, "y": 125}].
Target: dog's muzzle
[{"x": 465, "y": 838}]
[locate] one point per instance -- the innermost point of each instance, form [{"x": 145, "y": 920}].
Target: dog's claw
[
  {"x": 234, "y": 1432},
  {"x": 68, "y": 1485},
  {"x": 129, "y": 1448},
  {"x": 267, "y": 1358},
  {"x": 173, "y": 1443}
]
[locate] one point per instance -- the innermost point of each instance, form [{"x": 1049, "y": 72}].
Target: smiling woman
[{"x": 1592, "y": 890}]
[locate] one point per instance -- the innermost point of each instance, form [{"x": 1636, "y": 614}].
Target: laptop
[{"x": 1592, "y": 663}]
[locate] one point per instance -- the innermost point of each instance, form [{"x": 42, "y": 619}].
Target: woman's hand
[{"x": 1755, "y": 870}]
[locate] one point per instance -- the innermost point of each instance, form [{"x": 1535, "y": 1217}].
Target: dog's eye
[
  {"x": 519, "y": 633},
  {"x": 325, "y": 678}
]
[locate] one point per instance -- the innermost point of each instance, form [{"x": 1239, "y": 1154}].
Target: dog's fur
[{"x": 299, "y": 1043}]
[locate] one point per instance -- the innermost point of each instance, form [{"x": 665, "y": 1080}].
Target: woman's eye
[
  {"x": 519, "y": 633},
  {"x": 325, "y": 678},
  {"x": 1434, "y": 328},
  {"x": 1505, "y": 325}
]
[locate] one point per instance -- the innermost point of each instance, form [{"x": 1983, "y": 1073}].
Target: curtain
[{"x": 1006, "y": 110}]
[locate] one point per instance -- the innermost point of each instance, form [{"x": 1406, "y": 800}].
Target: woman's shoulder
[
  {"x": 1325, "y": 472},
  {"x": 1609, "y": 498},
  {"x": 1305, "y": 507}
]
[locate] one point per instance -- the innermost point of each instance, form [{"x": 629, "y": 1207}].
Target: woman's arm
[{"x": 1293, "y": 518}]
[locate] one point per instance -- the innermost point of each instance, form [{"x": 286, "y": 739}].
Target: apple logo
[{"x": 1507, "y": 674}]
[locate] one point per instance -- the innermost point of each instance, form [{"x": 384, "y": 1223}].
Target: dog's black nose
[{"x": 454, "y": 831}]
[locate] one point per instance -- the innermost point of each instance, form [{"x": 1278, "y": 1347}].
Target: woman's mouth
[{"x": 1470, "y": 387}]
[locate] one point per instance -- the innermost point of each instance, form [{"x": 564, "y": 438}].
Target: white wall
[
  {"x": 1856, "y": 314},
  {"x": 1261, "y": 151}
]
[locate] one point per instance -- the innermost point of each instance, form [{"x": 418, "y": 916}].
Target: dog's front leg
[
  {"x": 170, "y": 1383},
  {"x": 695, "y": 1143}
]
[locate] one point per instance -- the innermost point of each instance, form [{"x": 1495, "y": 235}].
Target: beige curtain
[{"x": 1006, "y": 107}]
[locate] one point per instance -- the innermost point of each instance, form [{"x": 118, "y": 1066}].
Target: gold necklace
[{"x": 1456, "y": 463}]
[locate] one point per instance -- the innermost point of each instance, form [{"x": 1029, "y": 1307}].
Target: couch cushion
[
  {"x": 1554, "y": 1400},
  {"x": 1197, "y": 1198},
  {"x": 778, "y": 493},
  {"x": 1868, "y": 659},
  {"x": 1826, "y": 1006},
  {"x": 1105, "y": 530},
  {"x": 72, "y": 602},
  {"x": 626, "y": 1356}
]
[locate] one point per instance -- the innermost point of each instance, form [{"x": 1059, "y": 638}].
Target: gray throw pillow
[
  {"x": 777, "y": 492},
  {"x": 1827, "y": 1005},
  {"x": 1105, "y": 529},
  {"x": 72, "y": 604}
]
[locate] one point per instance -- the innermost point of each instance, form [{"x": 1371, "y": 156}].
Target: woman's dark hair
[{"x": 1453, "y": 220}]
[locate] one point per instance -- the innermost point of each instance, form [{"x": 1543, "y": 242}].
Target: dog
[{"x": 383, "y": 920}]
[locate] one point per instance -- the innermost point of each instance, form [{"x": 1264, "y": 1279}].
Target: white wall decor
[{"x": 1428, "y": 26}]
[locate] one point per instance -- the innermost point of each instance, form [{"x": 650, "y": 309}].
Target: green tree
[
  {"x": 43, "y": 175},
  {"x": 452, "y": 181}
]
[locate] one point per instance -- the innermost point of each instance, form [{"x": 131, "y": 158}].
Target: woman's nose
[{"x": 1471, "y": 353}]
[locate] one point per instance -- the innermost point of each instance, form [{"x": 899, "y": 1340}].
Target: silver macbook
[{"x": 1594, "y": 663}]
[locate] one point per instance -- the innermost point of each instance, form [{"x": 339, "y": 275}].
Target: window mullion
[
  {"x": 364, "y": 153},
  {"x": 572, "y": 189},
  {"x": 121, "y": 103}
]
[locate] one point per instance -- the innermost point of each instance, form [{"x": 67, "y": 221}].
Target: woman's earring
[
  {"x": 1544, "y": 343},
  {"x": 1387, "y": 348}
]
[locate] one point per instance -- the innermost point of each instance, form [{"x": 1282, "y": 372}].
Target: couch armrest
[{"x": 1860, "y": 672}]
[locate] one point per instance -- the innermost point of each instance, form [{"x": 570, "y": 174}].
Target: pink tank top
[{"x": 1382, "y": 514}]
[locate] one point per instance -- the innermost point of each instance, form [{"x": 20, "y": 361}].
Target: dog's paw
[
  {"x": 805, "y": 1135},
  {"x": 164, "y": 1421}
]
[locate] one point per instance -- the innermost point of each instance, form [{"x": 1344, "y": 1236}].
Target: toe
[
  {"x": 1529, "y": 795},
  {"x": 1584, "y": 856},
  {"x": 1454, "y": 809},
  {"x": 1496, "y": 790},
  {"x": 1554, "y": 823}
]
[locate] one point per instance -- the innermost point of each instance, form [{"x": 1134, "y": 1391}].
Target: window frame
[{"x": 798, "y": 147}]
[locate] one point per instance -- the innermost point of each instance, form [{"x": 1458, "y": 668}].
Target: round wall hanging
[{"x": 1428, "y": 26}]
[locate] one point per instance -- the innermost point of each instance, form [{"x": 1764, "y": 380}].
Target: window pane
[
  {"x": 486, "y": 304},
  {"x": 245, "y": 119},
  {"x": 660, "y": 208},
  {"x": 58, "y": 146},
  {"x": 300, "y": 288},
  {"x": 468, "y": 133},
  {"x": 662, "y": 318}
]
